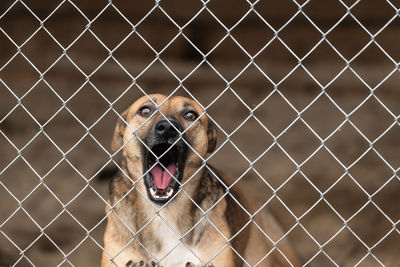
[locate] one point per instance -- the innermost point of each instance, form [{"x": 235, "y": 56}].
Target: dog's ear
[
  {"x": 118, "y": 140},
  {"x": 212, "y": 136}
]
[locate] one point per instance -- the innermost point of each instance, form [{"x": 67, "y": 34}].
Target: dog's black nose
[{"x": 167, "y": 128}]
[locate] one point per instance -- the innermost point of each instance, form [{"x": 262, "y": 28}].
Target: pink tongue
[{"x": 161, "y": 177}]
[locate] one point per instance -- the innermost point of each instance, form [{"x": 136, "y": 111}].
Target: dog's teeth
[
  {"x": 153, "y": 191},
  {"x": 169, "y": 193}
]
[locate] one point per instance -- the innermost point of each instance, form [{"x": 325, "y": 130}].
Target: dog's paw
[
  {"x": 189, "y": 264},
  {"x": 142, "y": 264}
]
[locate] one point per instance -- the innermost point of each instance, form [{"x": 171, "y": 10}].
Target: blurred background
[{"x": 325, "y": 127}]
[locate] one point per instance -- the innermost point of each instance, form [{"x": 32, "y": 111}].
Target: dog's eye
[
  {"x": 145, "y": 111},
  {"x": 190, "y": 115}
]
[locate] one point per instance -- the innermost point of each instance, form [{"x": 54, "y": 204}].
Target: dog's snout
[{"x": 166, "y": 128}]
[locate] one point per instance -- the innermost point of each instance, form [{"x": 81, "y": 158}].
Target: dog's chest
[{"x": 172, "y": 251}]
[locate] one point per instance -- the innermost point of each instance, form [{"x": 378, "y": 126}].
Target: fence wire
[{"x": 226, "y": 137}]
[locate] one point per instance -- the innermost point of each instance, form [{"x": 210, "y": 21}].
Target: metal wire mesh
[{"x": 321, "y": 133}]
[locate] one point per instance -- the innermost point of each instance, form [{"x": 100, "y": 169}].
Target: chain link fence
[{"x": 304, "y": 95}]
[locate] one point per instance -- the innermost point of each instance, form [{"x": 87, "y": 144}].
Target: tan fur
[{"x": 134, "y": 231}]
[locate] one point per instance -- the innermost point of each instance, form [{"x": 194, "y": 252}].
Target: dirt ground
[{"x": 334, "y": 163}]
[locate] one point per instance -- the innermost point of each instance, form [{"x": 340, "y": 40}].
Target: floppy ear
[
  {"x": 212, "y": 136},
  {"x": 118, "y": 140}
]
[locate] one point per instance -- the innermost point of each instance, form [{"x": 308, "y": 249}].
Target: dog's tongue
[{"x": 161, "y": 177}]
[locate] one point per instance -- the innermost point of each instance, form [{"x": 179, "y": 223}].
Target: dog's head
[{"x": 163, "y": 140}]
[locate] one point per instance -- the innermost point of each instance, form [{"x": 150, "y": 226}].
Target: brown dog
[{"x": 170, "y": 207}]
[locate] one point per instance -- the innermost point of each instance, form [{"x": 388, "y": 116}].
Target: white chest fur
[{"x": 173, "y": 252}]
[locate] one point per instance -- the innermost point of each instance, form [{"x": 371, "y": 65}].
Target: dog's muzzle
[{"x": 163, "y": 165}]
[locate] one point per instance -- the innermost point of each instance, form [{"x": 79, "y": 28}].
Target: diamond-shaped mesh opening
[
  {"x": 64, "y": 130},
  {"x": 111, "y": 36},
  {"x": 268, "y": 113},
  {"x": 371, "y": 172},
  {"x": 325, "y": 226},
  {"x": 348, "y": 37},
  {"x": 205, "y": 32},
  {"x": 299, "y": 152},
  {"x": 48, "y": 209},
  {"x": 47, "y": 150},
  {"x": 33, "y": 49},
  {"x": 87, "y": 53},
  {"x": 84, "y": 202},
  {"x": 134, "y": 54},
  {"x": 9, "y": 75},
  {"x": 300, "y": 46},
  {"x": 156, "y": 79},
  {"x": 22, "y": 238},
  {"x": 252, "y": 33},
  {"x": 308, "y": 195},
  {"x": 66, "y": 28},
  {"x": 235, "y": 108},
  {"x": 229, "y": 52},
  {"x": 322, "y": 170},
  {"x": 347, "y": 152},
  {"x": 91, "y": 98},
  {"x": 82, "y": 252},
  {"x": 372, "y": 216},
  {"x": 19, "y": 127},
  {"x": 308, "y": 248},
  {"x": 41, "y": 102},
  {"x": 164, "y": 30},
  {"x": 275, "y": 167},
  {"x": 64, "y": 172},
  {"x": 252, "y": 87},
  {"x": 66, "y": 232},
  {"x": 370, "y": 54},
  {"x": 19, "y": 179},
  {"x": 111, "y": 80},
  {"x": 270, "y": 59},
  {"x": 19, "y": 23},
  {"x": 289, "y": 88},
  {"x": 315, "y": 114},
  {"x": 64, "y": 78},
  {"x": 324, "y": 53},
  {"x": 346, "y": 207},
  {"x": 86, "y": 168},
  {"x": 252, "y": 147},
  {"x": 372, "y": 119},
  {"x": 219, "y": 159},
  {"x": 181, "y": 48}
]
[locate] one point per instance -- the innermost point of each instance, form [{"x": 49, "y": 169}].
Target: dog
[{"x": 168, "y": 207}]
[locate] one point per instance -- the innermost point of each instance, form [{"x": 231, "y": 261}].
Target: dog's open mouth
[{"x": 164, "y": 171}]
